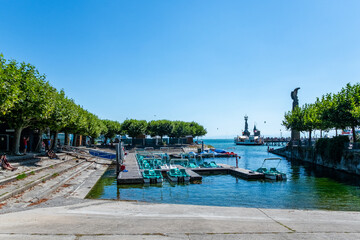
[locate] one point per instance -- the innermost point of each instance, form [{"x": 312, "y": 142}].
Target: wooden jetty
[{"x": 134, "y": 176}]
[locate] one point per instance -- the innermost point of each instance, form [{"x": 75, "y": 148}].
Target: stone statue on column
[{"x": 295, "y": 135}]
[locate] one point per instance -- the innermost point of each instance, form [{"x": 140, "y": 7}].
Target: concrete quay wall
[{"x": 350, "y": 160}]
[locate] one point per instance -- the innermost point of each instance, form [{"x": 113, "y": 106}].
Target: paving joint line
[{"x": 290, "y": 229}]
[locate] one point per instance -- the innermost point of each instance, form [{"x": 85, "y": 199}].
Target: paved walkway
[{"x": 97, "y": 219}]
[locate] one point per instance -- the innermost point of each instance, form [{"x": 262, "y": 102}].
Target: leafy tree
[
  {"x": 112, "y": 128},
  {"x": 347, "y": 101},
  {"x": 294, "y": 120},
  {"x": 180, "y": 129},
  {"x": 77, "y": 123},
  {"x": 134, "y": 128},
  {"x": 311, "y": 118},
  {"x": 95, "y": 126},
  {"x": 159, "y": 128},
  {"x": 9, "y": 85},
  {"x": 34, "y": 103},
  {"x": 197, "y": 130}
]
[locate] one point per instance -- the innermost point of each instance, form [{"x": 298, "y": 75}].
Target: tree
[
  {"x": 112, "y": 128},
  {"x": 294, "y": 120},
  {"x": 197, "y": 130},
  {"x": 311, "y": 119},
  {"x": 347, "y": 101},
  {"x": 95, "y": 126},
  {"x": 159, "y": 128},
  {"x": 34, "y": 102},
  {"x": 134, "y": 128},
  {"x": 77, "y": 123},
  {"x": 9, "y": 85},
  {"x": 180, "y": 129}
]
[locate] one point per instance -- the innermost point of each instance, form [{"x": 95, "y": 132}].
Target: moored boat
[
  {"x": 152, "y": 176},
  {"x": 272, "y": 173},
  {"x": 178, "y": 175}
]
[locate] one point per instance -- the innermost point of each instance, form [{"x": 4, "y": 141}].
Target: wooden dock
[
  {"x": 245, "y": 173},
  {"x": 134, "y": 176}
]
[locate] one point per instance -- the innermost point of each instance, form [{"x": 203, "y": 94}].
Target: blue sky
[{"x": 208, "y": 61}]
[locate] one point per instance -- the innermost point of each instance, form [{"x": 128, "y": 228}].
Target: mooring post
[
  {"x": 122, "y": 153},
  {"x": 237, "y": 162},
  {"x": 118, "y": 154}
]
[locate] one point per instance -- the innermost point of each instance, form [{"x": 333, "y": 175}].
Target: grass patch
[
  {"x": 55, "y": 174},
  {"x": 21, "y": 176},
  {"x": 32, "y": 173}
]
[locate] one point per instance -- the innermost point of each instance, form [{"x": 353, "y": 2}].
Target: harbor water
[{"x": 307, "y": 186}]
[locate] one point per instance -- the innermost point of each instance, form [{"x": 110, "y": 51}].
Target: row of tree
[
  {"x": 332, "y": 111},
  {"x": 27, "y": 100},
  {"x": 173, "y": 129}
]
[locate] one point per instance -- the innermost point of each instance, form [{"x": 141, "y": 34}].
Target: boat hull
[{"x": 275, "y": 176}]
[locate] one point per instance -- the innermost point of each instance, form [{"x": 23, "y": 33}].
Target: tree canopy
[
  {"x": 28, "y": 100},
  {"x": 332, "y": 111}
]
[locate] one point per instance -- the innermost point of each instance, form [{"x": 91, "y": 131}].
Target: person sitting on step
[{"x": 5, "y": 164}]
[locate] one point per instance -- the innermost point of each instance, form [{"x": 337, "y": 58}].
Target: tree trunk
[
  {"x": 66, "y": 143},
  {"x": 320, "y": 133},
  {"x": 16, "y": 144},
  {"x": 354, "y": 133},
  {"x": 54, "y": 145},
  {"x": 105, "y": 140},
  {"x": 336, "y": 132},
  {"x": 74, "y": 140},
  {"x": 310, "y": 138},
  {"x": 39, "y": 143}
]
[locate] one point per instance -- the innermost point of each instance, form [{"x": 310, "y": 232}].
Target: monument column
[{"x": 295, "y": 135}]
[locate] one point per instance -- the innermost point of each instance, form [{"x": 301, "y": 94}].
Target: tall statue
[
  {"x": 295, "y": 135},
  {"x": 295, "y": 98}
]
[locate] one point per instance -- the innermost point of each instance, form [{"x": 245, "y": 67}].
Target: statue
[
  {"x": 295, "y": 98},
  {"x": 295, "y": 135}
]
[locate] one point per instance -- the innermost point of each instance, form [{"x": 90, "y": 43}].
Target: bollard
[{"x": 237, "y": 165}]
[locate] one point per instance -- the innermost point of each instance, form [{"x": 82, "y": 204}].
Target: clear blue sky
[{"x": 208, "y": 61}]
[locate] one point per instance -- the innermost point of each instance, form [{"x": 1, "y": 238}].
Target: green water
[{"x": 307, "y": 186}]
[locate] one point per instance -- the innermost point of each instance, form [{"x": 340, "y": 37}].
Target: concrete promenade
[{"x": 108, "y": 220}]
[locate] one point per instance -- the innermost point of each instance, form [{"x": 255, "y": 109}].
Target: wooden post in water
[
  {"x": 237, "y": 162},
  {"x": 122, "y": 153},
  {"x": 118, "y": 155}
]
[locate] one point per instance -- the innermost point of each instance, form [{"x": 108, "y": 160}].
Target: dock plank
[
  {"x": 193, "y": 175},
  {"x": 133, "y": 175},
  {"x": 245, "y": 173}
]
